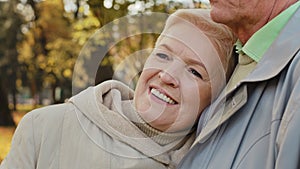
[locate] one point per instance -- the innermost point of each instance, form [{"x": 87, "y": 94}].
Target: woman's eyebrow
[
  {"x": 196, "y": 63},
  {"x": 167, "y": 47}
]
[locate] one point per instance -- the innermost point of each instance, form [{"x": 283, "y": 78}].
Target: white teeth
[{"x": 162, "y": 96}]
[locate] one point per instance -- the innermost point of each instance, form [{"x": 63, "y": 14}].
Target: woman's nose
[{"x": 168, "y": 79}]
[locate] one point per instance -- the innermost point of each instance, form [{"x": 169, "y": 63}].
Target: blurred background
[{"x": 41, "y": 40}]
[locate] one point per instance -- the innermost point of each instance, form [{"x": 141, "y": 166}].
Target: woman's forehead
[{"x": 175, "y": 46}]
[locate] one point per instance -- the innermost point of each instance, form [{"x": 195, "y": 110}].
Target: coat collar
[
  {"x": 101, "y": 109},
  {"x": 280, "y": 52}
]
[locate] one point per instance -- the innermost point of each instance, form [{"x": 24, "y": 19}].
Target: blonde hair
[{"x": 219, "y": 34}]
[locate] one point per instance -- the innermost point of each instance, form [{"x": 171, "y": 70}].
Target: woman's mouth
[{"x": 162, "y": 96}]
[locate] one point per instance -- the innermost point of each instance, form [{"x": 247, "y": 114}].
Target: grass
[{"x": 6, "y": 134}]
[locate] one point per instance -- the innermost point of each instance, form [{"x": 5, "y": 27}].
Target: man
[{"x": 255, "y": 123}]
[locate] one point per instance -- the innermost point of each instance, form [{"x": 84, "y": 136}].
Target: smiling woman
[
  {"x": 185, "y": 71},
  {"x": 112, "y": 126}
]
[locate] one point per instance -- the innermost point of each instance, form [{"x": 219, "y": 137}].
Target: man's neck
[{"x": 246, "y": 30}]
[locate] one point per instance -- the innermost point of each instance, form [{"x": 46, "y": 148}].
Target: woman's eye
[
  {"x": 162, "y": 56},
  {"x": 195, "y": 73}
]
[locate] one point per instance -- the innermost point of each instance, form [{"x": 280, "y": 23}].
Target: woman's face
[{"x": 175, "y": 85}]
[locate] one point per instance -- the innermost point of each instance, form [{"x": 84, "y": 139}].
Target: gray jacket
[{"x": 258, "y": 125}]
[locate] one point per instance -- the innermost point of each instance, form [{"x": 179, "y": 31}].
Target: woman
[{"x": 111, "y": 126}]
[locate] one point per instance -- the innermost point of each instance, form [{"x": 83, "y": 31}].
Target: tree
[
  {"x": 48, "y": 50},
  {"x": 9, "y": 36}
]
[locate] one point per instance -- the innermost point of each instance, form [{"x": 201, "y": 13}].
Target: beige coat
[{"x": 89, "y": 132}]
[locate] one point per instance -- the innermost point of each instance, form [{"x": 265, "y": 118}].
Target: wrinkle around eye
[
  {"x": 195, "y": 73},
  {"x": 204, "y": 76}
]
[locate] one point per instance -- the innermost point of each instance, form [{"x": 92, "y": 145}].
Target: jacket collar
[{"x": 280, "y": 52}]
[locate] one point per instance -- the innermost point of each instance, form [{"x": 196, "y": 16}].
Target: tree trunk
[{"x": 6, "y": 118}]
